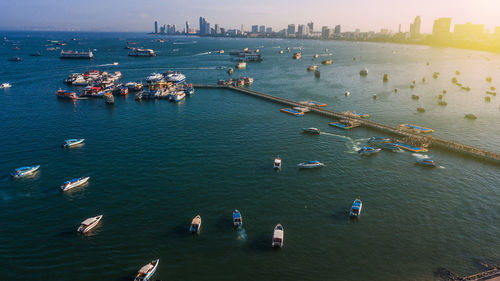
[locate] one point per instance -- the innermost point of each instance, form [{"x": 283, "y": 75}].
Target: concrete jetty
[{"x": 432, "y": 141}]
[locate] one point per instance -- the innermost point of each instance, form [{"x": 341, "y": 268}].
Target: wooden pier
[{"x": 432, "y": 141}]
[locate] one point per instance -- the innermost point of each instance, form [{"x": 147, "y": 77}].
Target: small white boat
[
  {"x": 367, "y": 150},
  {"x": 115, "y": 63},
  {"x": 178, "y": 96},
  {"x": 277, "y": 163},
  {"x": 88, "y": 224},
  {"x": 427, "y": 162},
  {"x": 363, "y": 72},
  {"x": 154, "y": 77},
  {"x": 147, "y": 271},
  {"x": 195, "y": 225},
  {"x": 237, "y": 219},
  {"x": 311, "y": 164},
  {"x": 67, "y": 185},
  {"x": 72, "y": 142},
  {"x": 356, "y": 208},
  {"x": 24, "y": 171},
  {"x": 347, "y": 93},
  {"x": 5, "y": 86},
  {"x": 278, "y": 236}
]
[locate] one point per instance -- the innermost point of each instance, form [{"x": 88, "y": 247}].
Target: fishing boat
[
  {"x": 356, "y": 208},
  {"x": 297, "y": 56},
  {"x": 88, "y": 224},
  {"x": 315, "y": 56},
  {"x": 312, "y": 131},
  {"x": 147, "y": 271},
  {"x": 109, "y": 98},
  {"x": 311, "y": 164},
  {"x": 367, "y": 150},
  {"x": 237, "y": 219},
  {"x": 241, "y": 65},
  {"x": 67, "y": 185},
  {"x": 5, "y": 86},
  {"x": 277, "y": 163},
  {"x": 312, "y": 68},
  {"x": 24, "y": 171},
  {"x": 363, "y": 72},
  {"x": 175, "y": 77},
  {"x": 327, "y": 62},
  {"x": 136, "y": 52},
  {"x": 61, "y": 94},
  {"x": 154, "y": 78},
  {"x": 389, "y": 146},
  {"x": 427, "y": 162},
  {"x": 72, "y": 142},
  {"x": 278, "y": 236},
  {"x": 70, "y": 54},
  {"x": 471, "y": 116},
  {"x": 195, "y": 225},
  {"x": 177, "y": 96}
]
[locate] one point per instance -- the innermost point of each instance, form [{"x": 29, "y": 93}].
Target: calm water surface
[{"x": 154, "y": 165}]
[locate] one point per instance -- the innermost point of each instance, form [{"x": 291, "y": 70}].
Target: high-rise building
[
  {"x": 310, "y": 26},
  {"x": 187, "y": 27},
  {"x": 204, "y": 26},
  {"x": 337, "y": 30},
  {"x": 291, "y": 29},
  {"x": 255, "y": 28},
  {"x": 222, "y": 31},
  {"x": 269, "y": 30},
  {"x": 301, "y": 30},
  {"x": 262, "y": 29},
  {"x": 415, "y": 27},
  {"x": 217, "y": 29},
  {"x": 156, "y": 27},
  {"x": 325, "y": 32},
  {"x": 441, "y": 27},
  {"x": 468, "y": 31}
]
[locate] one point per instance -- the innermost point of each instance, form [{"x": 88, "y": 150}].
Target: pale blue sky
[{"x": 137, "y": 15}]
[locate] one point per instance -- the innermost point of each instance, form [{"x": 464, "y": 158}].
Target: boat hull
[{"x": 80, "y": 182}]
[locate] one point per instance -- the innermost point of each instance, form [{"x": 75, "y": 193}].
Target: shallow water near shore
[{"x": 153, "y": 165}]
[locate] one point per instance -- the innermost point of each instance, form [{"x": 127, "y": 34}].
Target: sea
[{"x": 154, "y": 165}]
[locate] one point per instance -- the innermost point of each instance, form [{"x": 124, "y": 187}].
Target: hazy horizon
[{"x": 139, "y": 16}]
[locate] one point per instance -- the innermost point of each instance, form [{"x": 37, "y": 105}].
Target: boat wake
[
  {"x": 242, "y": 234},
  {"x": 107, "y": 64},
  {"x": 202, "y": 54},
  {"x": 185, "y": 43},
  {"x": 353, "y": 144}
]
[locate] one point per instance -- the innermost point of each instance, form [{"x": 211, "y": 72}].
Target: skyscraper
[
  {"x": 204, "y": 26},
  {"x": 337, "y": 30},
  {"x": 311, "y": 27},
  {"x": 156, "y": 27},
  {"x": 255, "y": 28},
  {"x": 291, "y": 29},
  {"x": 415, "y": 27},
  {"x": 269, "y": 30},
  {"x": 187, "y": 27},
  {"x": 441, "y": 27},
  {"x": 325, "y": 32},
  {"x": 217, "y": 29},
  {"x": 262, "y": 29},
  {"x": 301, "y": 30}
]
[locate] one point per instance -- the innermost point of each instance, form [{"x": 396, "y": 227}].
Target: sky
[{"x": 139, "y": 15}]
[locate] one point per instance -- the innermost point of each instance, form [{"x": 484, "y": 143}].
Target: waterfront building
[
  {"x": 441, "y": 28},
  {"x": 222, "y": 31},
  {"x": 187, "y": 27},
  {"x": 255, "y": 28},
  {"x": 310, "y": 26},
  {"x": 415, "y": 27},
  {"x": 262, "y": 29},
  {"x": 156, "y": 27},
  {"x": 216, "y": 29},
  {"x": 468, "y": 31},
  {"x": 290, "y": 30},
  {"x": 301, "y": 30},
  {"x": 325, "y": 32},
  {"x": 337, "y": 30},
  {"x": 204, "y": 26},
  {"x": 269, "y": 30}
]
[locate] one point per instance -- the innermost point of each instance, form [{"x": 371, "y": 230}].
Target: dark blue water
[{"x": 153, "y": 166}]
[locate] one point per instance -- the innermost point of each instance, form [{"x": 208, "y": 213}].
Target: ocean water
[{"x": 153, "y": 165}]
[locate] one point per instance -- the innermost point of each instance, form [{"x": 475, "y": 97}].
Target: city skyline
[{"x": 364, "y": 15}]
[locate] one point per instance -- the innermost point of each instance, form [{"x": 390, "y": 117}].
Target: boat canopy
[
  {"x": 145, "y": 269},
  {"x": 278, "y": 234},
  {"x": 196, "y": 220},
  {"x": 89, "y": 221}
]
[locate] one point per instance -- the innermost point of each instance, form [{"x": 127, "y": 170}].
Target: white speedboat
[
  {"x": 278, "y": 236},
  {"x": 24, "y": 171},
  {"x": 195, "y": 225},
  {"x": 176, "y": 77},
  {"x": 154, "y": 77},
  {"x": 67, "y": 185},
  {"x": 277, "y": 163},
  {"x": 427, "y": 162},
  {"x": 72, "y": 142},
  {"x": 237, "y": 219},
  {"x": 178, "y": 96},
  {"x": 363, "y": 72},
  {"x": 80, "y": 81},
  {"x": 147, "y": 271},
  {"x": 356, "y": 208},
  {"x": 367, "y": 150},
  {"x": 88, "y": 224},
  {"x": 311, "y": 164},
  {"x": 5, "y": 86}
]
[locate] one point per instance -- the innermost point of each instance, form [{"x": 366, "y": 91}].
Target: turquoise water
[{"x": 153, "y": 166}]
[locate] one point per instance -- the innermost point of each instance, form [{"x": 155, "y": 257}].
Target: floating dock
[
  {"x": 356, "y": 114},
  {"x": 409, "y": 147},
  {"x": 341, "y": 125},
  {"x": 313, "y": 103},
  {"x": 415, "y": 128},
  {"x": 433, "y": 141},
  {"x": 292, "y": 111}
]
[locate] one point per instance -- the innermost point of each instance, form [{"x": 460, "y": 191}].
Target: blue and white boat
[
  {"x": 177, "y": 96},
  {"x": 367, "y": 150},
  {"x": 24, "y": 171},
  {"x": 176, "y": 77},
  {"x": 389, "y": 146},
  {"x": 356, "y": 208},
  {"x": 72, "y": 183},
  {"x": 311, "y": 164},
  {"x": 195, "y": 225},
  {"x": 72, "y": 142},
  {"x": 237, "y": 219},
  {"x": 427, "y": 162},
  {"x": 147, "y": 271}
]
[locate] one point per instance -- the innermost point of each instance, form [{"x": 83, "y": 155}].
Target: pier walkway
[{"x": 432, "y": 141}]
